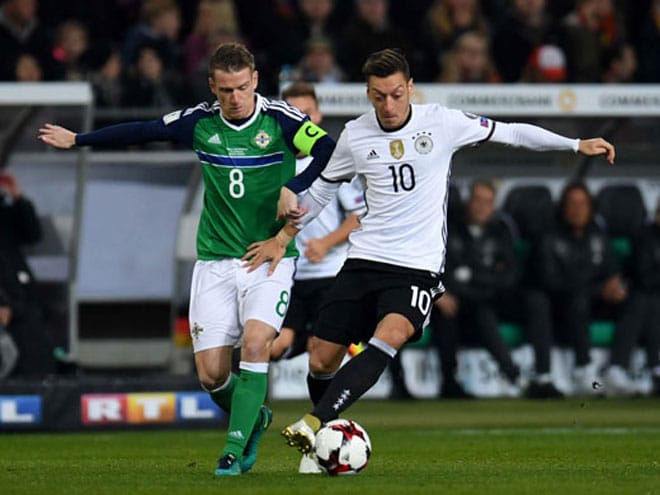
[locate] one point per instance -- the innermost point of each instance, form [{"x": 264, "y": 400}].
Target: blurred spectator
[
  {"x": 20, "y": 226},
  {"x": 619, "y": 63},
  {"x": 649, "y": 46},
  {"x": 480, "y": 267},
  {"x": 546, "y": 64},
  {"x": 369, "y": 30},
  {"x": 213, "y": 17},
  {"x": 319, "y": 64},
  {"x": 313, "y": 19},
  {"x": 102, "y": 66},
  {"x": 199, "y": 87},
  {"x": 21, "y": 33},
  {"x": 8, "y": 351},
  {"x": 444, "y": 23},
  {"x": 71, "y": 42},
  {"x": 640, "y": 321},
  {"x": 496, "y": 11},
  {"x": 469, "y": 61},
  {"x": 584, "y": 35},
  {"x": 161, "y": 22},
  {"x": 579, "y": 274},
  {"x": 147, "y": 84},
  {"x": 526, "y": 27},
  {"x": 27, "y": 68}
]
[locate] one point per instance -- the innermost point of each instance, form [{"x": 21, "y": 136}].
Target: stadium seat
[
  {"x": 622, "y": 209},
  {"x": 532, "y": 210}
]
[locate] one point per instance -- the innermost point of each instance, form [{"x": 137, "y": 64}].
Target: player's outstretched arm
[
  {"x": 597, "y": 146},
  {"x": 57, "y": 136}
]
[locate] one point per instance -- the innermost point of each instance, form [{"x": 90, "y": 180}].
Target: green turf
[{"x": 425, "y": 447}]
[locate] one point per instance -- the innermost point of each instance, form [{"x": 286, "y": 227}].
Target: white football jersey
[
  {"x": 405, "y": 175},
  {"x": 349, "y": 200}
]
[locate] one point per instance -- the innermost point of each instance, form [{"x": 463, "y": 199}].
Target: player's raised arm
[
  {"x": 540, "y": 139},
  {"x": 57, "y": 136},
  {"x": 171, "y": 127}
]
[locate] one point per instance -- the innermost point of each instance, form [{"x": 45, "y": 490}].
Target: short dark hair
[
  {"x": 231, "y": 57},
  {"x": 575, "y": 185},
  {"x": 385, "y": 63},
  {"x": 300, "y": 88}
]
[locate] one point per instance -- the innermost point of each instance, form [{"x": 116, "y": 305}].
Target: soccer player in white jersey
[{"x": 384, "y": 292}]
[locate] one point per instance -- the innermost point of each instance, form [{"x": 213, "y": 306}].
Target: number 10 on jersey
[{"x": 403, "y": 177}]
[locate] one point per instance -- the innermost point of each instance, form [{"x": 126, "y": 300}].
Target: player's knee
[
  {"x": 394, "y": 330},
  {"x": 211, "y": 381},
  {"x": 255, "y": 351},
  {"x": 322, "y": 363}
]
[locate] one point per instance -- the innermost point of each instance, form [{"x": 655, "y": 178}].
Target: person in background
[
  {"x": 480, "y": 269},
  {"x": 578, "y": 273},
  {"x": 640, "y": 321},
  {"x": 20, "y": 227},
  {"x": 27, "y": 68},
  {"x": 369, "y": 29},
  {"x": 214, "y": 17},
  {"x": 648, "y": 45},
  {"x": 102, "y": 65},
  {"x": 9, "y": 353},
  {"x": 469, "y": 61},
  {"x": 584, "y": 35},
  {"x": 445, "y": 22},
  {"x": 71, "y": 42},
  {"x": 526, "y": 27},
  {"x": 160, "y": 27},
  {"x": 21, "y": 33},
  {"x": 318, "y": 64},
  {"x": 148, "y": 84},
  {"x": 619, "y": 63}
]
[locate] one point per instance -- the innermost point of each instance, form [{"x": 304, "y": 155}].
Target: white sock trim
[
  {"x": 221, "y": 387},
  {"x": 322, "y": 376},
  {"x": 383, "y": 346},
  {"x": 254, "y": 367}
]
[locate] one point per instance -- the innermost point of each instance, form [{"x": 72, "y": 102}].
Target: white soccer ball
[{"x": 342, "y": 447}]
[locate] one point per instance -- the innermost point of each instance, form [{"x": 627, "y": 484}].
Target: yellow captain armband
[{"x": 307, "y": 136}]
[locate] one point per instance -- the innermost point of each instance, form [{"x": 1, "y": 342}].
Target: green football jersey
[{"x": 244, "y": 168}]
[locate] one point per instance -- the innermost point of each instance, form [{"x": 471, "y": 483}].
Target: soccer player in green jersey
[{"x": 247, "y": 147}]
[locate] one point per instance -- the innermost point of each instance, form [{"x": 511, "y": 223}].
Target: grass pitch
[{"x": 423, "y": 447}]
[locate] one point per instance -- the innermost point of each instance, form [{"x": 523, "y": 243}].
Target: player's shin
[
  {"x": 353, "y": 380},
  {"x": 317, "y": 384},
  {"x": 249, "y": 395}
]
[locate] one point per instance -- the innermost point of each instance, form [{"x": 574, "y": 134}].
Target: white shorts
[{"x": 223, "y": 296}]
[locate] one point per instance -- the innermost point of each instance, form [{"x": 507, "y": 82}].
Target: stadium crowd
[{"x": 151, "y": 53}]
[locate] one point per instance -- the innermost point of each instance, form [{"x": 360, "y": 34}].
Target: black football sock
[
  {"x": 317, "y": 384},
  {"x": 353, "y": 380}
]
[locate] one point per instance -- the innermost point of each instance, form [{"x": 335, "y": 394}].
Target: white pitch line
[{"x": 560, "y": 430}]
